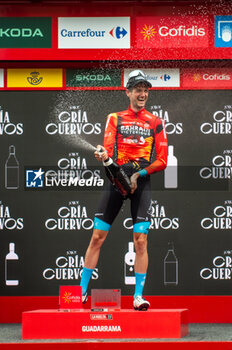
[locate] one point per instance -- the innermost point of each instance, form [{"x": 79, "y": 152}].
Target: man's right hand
[{"x": 102, "y": 155}]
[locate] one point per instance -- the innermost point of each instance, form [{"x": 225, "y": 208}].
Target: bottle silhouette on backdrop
[
  {"x": 12, "y": 170},
  {"x": 129, "y": 261},
  {"x": 170, "y": 266},
  {"x": 11, "y": 267},
  {"x": 170, "y": 173}
]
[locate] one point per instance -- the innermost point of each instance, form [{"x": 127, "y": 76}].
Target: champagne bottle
[{"x": 117, "y": 176}]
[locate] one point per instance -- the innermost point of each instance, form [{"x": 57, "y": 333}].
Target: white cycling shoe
[{"x": 140, "y": 303}]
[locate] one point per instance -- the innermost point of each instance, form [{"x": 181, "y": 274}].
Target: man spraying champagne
[{"x": 132, "y": 134}]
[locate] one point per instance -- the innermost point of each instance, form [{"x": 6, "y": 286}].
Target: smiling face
[{"x": 138, "y": 96}]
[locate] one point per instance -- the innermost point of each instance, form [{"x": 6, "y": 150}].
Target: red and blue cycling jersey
[{"x": 134, "y": 137}]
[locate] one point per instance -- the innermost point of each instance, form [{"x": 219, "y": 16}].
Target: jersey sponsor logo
[{"x": 134, "y": 130}]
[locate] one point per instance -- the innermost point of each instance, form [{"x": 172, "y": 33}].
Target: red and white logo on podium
[{"x": 70, "y": 297}]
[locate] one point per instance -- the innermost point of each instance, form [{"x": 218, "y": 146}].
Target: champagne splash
[{"x": 65, "y": 101}]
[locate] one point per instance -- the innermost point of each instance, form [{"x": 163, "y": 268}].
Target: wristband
[{"x": 142, "y": 172}]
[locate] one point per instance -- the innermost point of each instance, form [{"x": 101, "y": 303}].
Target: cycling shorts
[{"x": 111, "y": 202}]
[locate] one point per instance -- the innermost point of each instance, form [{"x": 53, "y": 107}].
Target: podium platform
[{"x": 123, "y": 324}]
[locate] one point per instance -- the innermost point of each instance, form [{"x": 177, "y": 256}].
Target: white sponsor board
[
  {"x": 1, "y": 78},
  {"x": 94, "y": 32},
  {"x": 158, "y": 77}
]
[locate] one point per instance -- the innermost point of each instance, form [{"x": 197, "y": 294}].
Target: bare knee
[
  {"x": 98, "y": 237},
  {"x": 140, "y": 242}
]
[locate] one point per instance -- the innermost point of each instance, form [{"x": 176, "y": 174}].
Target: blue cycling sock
[
  {"x": 139, "y": 283},
  {"x": 85, "y": 278}
]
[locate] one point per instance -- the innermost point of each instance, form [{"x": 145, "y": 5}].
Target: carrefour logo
[
  {"x": 118, "y": 32},
  {"x": 94, "y": 32}
]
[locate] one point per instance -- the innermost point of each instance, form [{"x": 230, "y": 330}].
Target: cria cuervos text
[
  {"x": 7, "y": 222},
  {"x": 73, "y": 123},
  {"x": 158, "y": 219},
  {"x": 67, "y": 268},
  {"x": 170, "y": 128},
  {"x": 221, "y": 169},
  {"x": 70, "y": 218},
  {"x": 221, "y": 221},
  {"x": 221, "y": 270},
  {"x": 222, "y": 124},
  {"x": 8, "y": 128}
]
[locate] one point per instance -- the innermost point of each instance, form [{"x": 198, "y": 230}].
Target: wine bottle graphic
[
  {"x": 11, "y": 267},
  {"x": 129, "y": 261},
  {"x": 170, "y": 173},
  {"x": 12, "y": 170},
  {"x": 170, "y": 266}
]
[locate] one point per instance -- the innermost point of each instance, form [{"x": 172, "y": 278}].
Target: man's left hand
[{"x": 133, "y": 180}]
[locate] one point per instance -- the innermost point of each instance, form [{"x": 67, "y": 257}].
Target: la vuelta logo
[
  {"x": 221, "y": 218},
  {"x": 70, "y": 217},
  {"x": 221, "y": 122}
]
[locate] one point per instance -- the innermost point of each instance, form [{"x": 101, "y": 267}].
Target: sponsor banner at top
[
  {"x": 172, "y": 32},
  {"x": 25, "y": 32},
  {"x": 223, "y": 31},
  {"x": 94, "y": 32},
  {"x": 1, "y": 77},
  {"x": 93, "y": 77},
  {"x": 206, "y": 78},
  {"x": 158, "y": 77},
  {"x": 35, "y": 78}
]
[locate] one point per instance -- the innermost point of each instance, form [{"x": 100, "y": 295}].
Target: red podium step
[{"x": 85, "y": 324}]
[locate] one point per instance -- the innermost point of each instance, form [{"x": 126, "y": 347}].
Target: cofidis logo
[
  {"x": 94, "y": 32},
  {"x": 223, "y": 31},
  {"x": 168, "y": 32}
]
